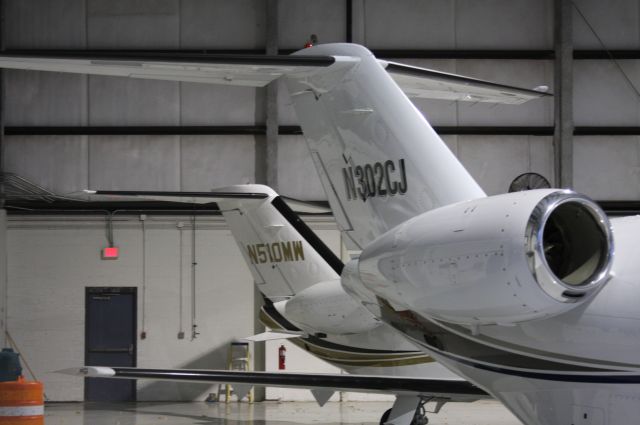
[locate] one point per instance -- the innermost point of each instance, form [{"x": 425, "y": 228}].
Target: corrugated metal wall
[{"x": 602, "y": 95}]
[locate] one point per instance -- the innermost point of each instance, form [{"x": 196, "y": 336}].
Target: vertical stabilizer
[
  {"x": 283, "y": 254},
  {"x": 378, "y": 158}
]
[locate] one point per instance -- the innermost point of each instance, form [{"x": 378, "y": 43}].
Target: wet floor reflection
[{"x": 267, "y": 413}]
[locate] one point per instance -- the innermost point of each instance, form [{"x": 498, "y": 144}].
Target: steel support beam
[
  {"x": 563, "y": 102},
  {"x": 349, "y": 28},
  {"x": 3, "y": 213},
  {"x": 267, "y": 165},
  {"x": 2, "y": 145},
  {"x": 358, "y": 36},
  {"x": 145, "y": 130},
  {"x": 267, "y": 154},
  {"x": 261, "y": 130}
]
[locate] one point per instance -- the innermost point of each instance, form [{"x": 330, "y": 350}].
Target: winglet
[{"x": 88, "y": 371}]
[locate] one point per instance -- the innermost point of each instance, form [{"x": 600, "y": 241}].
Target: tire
[{"x": 385, "y": 417}]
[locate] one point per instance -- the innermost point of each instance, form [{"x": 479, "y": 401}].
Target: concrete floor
[{"x": 486, "y": 412}]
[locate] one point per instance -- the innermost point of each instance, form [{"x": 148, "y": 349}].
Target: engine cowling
[
  {"x": 325, "y": 307},
  {"x": 498, "y": 260}
]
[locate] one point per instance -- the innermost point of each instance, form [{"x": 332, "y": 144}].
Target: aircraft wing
[
  {"x": 450, "y": 390},
  {"x": 260, "y": 70}
]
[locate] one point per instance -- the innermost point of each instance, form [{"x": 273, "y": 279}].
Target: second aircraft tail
[{"x": 284, "y": 255}]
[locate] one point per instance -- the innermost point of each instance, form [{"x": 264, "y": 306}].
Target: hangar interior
[{"x": 63, "y": 133}]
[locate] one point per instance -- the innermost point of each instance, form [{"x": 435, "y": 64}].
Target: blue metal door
[{"x": 110, "y": 340}]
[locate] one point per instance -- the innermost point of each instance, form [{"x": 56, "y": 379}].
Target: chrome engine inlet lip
[{"x": 534, "y": 237}]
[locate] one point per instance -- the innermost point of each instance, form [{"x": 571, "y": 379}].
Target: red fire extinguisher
[{"x": 282, "y": 352}]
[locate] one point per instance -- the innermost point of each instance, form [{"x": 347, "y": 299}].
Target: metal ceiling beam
[
  {"x": 288, "y": 130},
  {"x": 35, "y": 207},
  {"x": 2, "y": 73},
  {"x": 357, "y": 34},
  {"x": 349, "y": 21},
  {"x": 266, "y": 153}
]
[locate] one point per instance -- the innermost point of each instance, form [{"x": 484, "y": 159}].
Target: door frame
[{"x": 93, "y": 290}]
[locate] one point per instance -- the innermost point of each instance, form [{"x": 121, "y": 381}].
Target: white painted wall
[
  {"x": 297, "y": 360},
  {"x": 51, "y": 261}
]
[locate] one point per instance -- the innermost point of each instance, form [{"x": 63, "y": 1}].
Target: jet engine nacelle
[
  {"x": 325, "y": 307},
  {"x": 499, "y": 260}
]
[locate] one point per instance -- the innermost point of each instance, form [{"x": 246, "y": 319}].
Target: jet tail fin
[
  {"x": 379, "y": 160},
  {"x": 283, "y": 254}
]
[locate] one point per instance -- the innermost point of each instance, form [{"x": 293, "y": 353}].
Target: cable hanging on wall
[
  {"x": 143, "y": 333},
  {"x": 180, "y": 226},
  {"x": 194, "y": 264},
  {"x": 611, "y": 57}
]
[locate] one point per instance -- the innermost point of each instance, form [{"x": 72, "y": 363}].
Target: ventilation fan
[{"x": 528, "y": 181}]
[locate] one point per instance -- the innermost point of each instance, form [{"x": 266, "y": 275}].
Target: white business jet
[{"x": 520, "y": 293}]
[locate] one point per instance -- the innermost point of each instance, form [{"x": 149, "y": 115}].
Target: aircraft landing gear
[{"x": 420, "y": 415}]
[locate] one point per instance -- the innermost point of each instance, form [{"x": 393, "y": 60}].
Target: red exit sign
[{"x": 110, "y": 253}]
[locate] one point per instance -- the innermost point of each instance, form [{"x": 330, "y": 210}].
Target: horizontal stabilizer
[
  {"x": 311, "y": 207},
  {"x": 260, "y": 70},
  {"x": 451, "y": 389},
  {"x": 429, "y": 84},
  {"x": 272, "y": 335},
  {"x": 237, "y": 70},
  {"x": 243, "y": 192},
  {"x": 237, "y": 192}
]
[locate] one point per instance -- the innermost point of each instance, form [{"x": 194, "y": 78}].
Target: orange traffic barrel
[{"x": 21, "y": 403}]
